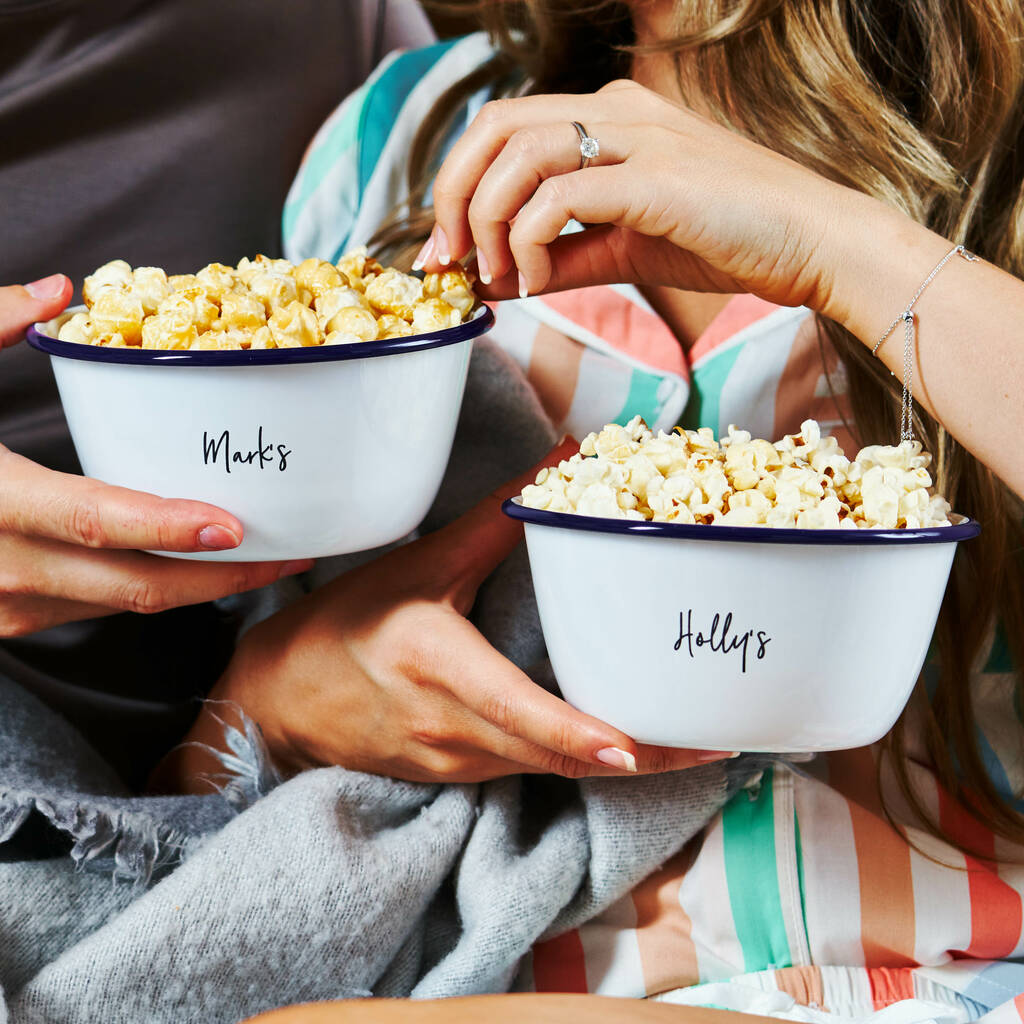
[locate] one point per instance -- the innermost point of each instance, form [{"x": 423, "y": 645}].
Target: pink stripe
[
  {"x": 623, "y": 324},
  {"x": 997, "y": 914},
  {"x": 741, "y": 311},
  {"x": 890, "y": 985},
  {"x": 1018, "y": 1005}
]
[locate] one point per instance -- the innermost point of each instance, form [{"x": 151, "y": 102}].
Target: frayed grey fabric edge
[
  {"x": 249, "y": 772},
  {"x": 139, "y": 846}
]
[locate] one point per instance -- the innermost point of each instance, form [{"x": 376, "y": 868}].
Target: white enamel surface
[
  {"x": 368, "y": 442},
  {"x": 849, "y": 629}
]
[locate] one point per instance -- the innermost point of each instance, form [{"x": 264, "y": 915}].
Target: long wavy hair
[{"x": 919, "y": 104}]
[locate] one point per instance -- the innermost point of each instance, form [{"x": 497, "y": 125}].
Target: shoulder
[{"x": 352, "y": 173}]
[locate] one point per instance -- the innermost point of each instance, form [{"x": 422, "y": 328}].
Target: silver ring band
[{"x": 589, "y": 146}]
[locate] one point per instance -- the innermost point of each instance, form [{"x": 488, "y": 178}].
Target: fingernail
[
  {"x": 523, "y": 289},
  {"x": 217, "y": 538},
  {"x": 707, "y": 756},
  {"x": 46, "y": 287},
  {"x": 425, "y": 253},
  {"x": 444, "y": 250},
  {"x": 294, "y": 568},
  {"x": 616, "y": 758},
  {"x": 483, "y": 267}
]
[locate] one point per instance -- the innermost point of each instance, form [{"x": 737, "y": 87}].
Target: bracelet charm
[{"x": 909, "y": 336}]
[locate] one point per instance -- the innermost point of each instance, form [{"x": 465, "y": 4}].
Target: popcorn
[
  {"x": 196, "y": 308},
  {"x": 318, "y": 277},
  {"x": 267, "y": 303},
  {"x": 332, "y": 301},
  {"x": 78, "y": 328},
  {"x": 391, "y": 326},
  {"x": 241, "y": 312},
  {"x": 294, "y": 326},
  {"x": 356, "y": 321},
  {"x": 804, "y": 481},
  {"x": 217, "y": 281},
  {"x": 173, "y": 329},
  {"x": 118, "y": 312},
  {"x": 117, "y": 275},
  {"x": 434, "y": 315},
  {"x": 262, "y": 338},
  {"x": 453, "y": 286},
  {"x": 187, "y": 284},
  {"x": 394, "y": 292},
  {"x": 150, "y": 286},
  {"x": 353, "y": 265},
  {"x": 274, "y": 288}
]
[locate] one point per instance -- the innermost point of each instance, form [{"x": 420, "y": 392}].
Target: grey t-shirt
[{"x": 165, "y": 133}]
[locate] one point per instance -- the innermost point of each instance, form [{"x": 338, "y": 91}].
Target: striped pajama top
[{"x": 801, "y": 890}]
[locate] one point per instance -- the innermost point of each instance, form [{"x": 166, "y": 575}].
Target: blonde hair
[{"x": 919, "y": 104}]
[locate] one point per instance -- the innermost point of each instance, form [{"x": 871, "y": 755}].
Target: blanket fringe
[
  {"x": 138, "y": 846},
  {"x": 249, "y": 772}
]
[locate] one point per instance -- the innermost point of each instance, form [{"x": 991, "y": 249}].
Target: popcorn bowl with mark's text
[
  {"x": 318, "y": 451},
  {"x": 746, "y": 638}
]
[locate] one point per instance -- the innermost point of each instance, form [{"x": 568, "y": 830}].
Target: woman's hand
[
  {"x": 63, "y": 537},
  {"x": 673, "y": 199},
  {"x": 380, "y": 671}
]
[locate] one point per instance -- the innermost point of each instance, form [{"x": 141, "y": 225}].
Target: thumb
[
  {"x": 39, "y": 300},
  {"x": 476, "y": 543}
]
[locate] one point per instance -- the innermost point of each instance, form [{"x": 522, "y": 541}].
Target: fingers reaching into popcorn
[
  {"x": 264, "y": 303},
  {"x": 803, "y": 481}
]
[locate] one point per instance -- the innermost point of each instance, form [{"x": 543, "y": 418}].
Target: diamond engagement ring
[{"x": 589, "y": 147}]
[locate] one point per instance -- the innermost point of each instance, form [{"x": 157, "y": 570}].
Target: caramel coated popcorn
[
  {"x": 803, "y": 481},
  {"x": 264, "y": 303}
]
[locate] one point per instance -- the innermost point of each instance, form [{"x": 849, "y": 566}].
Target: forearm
[{"x": 969, "y": 359}]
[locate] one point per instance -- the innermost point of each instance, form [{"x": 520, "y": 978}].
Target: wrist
[
  {"x": 876, "y": 259},
  {"x": 190, "y": 766}
]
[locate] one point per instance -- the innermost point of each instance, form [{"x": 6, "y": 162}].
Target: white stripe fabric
[
  {"x": 937, "y": 921},
  {"x": 612, "y": 954},
  {"x": 831, "y": 878},
  {"x": 749, "y": 393},
  {"x": 704, "y": 896}
]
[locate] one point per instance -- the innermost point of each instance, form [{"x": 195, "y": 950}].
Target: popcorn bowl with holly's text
[
  {"x": 745, "y": 638},
  {"x": 318, "y": 451}
]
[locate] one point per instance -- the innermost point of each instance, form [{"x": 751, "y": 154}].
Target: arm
[
  {"x": 503, "y": 1009},
  {"x": 380, "y": 671},
  {"x": 680, "y": 201}
]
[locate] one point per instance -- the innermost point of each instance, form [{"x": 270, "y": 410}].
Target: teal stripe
[
  {"x": 752, "y": 879},
  {"x": 344, "y": 135},
  {"x": 386, "y": 99},
  {"x": 642, "y": 399},
  {"x": 706, "y": 390}
]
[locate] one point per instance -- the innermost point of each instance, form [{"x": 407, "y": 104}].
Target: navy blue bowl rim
[
  {"x": 481, "y": 322},
  {"x": 745, "y": 534}
]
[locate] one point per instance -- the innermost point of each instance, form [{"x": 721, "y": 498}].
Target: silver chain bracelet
[{"x": 909, "y": 334}]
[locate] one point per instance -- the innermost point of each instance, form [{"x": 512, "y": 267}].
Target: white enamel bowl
[
  {"x": 318, "y": 451},
  {"x": 737, "y": 638}
]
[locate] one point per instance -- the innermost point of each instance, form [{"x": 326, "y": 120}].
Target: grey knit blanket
[{"x": 334, "y": 884}]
